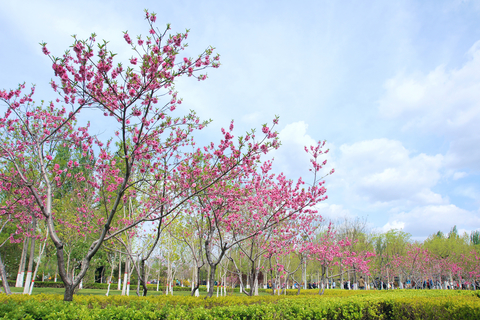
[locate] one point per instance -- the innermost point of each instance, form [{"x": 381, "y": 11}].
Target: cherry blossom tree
[
  {"x": 288, "y": 250},
  {"x": 414, "y": 265},
  {"x": 270, "y": 200},
  {"x": 146, "y": 132}
]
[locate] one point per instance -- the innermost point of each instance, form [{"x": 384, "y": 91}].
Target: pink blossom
[{"x": 127, "y": 38}]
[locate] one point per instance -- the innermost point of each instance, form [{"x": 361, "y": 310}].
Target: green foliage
[
  {"x": 10, "y": 252},
  {"x": 335, "y": 304},
  {"x": 444, "y": 247},
  {"x": 475, "y": 237},
  {"x": 453, "y": 233}
]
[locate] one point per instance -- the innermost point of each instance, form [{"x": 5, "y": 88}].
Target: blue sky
[{"x": 393, "y": 86}]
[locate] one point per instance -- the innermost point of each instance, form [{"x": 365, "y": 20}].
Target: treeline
[{"x": 322, "y": 256}]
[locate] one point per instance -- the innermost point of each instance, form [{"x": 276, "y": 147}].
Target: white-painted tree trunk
[
  {"x": 112, "y": 265},
  {"x": 125, "y": 277},
  {"x": 120, "y": 273},
  {"x": 109, "y": 283},
  {"x": 305, "y": 274},
  {"x": 28, "y": 280},
  {"x": 40, "y": 254},
  {"x": 21, "y": 267},
  {"x": 128, "y": 280}
]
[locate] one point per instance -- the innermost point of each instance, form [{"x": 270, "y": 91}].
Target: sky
[{"x": 392, "y": 86}]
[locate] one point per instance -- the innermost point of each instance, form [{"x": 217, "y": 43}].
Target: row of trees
[
  {"x": 148, "y": 197},
  {"x": 338, "y": 253},
  {"x": 127, "y": 191}
]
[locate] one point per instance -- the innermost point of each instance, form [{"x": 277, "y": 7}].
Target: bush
[
  {"x": 335, "y": 304},
  {"x": 11, "y": 283}
]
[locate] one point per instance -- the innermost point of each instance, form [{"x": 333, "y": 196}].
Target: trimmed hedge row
[
  {"x": 11, "y": 283},
  {"x": 412, "y": 304}
]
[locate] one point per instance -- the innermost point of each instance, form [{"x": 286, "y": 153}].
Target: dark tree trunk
[
  {"x": 69, "y": 291},
  {"x": 211, "y": 280},
  {"x": 271, "y": 275},
  {"x": 28, "y": 280},
  {"x": 70, "y": 283},
  {"x": 142, "y": 277},
  {"x": 252, "y": 282}
]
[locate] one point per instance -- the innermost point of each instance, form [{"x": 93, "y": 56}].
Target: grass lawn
[{"x": 101, "y": 292}]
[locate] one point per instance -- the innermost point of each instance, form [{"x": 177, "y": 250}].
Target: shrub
[{"x": 335, "y": 304}]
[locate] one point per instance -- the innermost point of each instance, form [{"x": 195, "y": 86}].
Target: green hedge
[
  {"x": 399, "y": 304},
  {"x": 11, "y": 283}
]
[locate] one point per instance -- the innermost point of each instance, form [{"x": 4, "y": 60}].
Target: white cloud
[
  {"x": 291, "y": 158},
  {"x": 443, "y": 102},
  {"x": 391, "y": 225},
  {"x": 426, "y": 220},
  {"x": 383, "y": 170},
  {"x": 333, "y": 211}
]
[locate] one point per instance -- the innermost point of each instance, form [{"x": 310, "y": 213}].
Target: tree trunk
[
  {"x": 340, "y": 286},
  {"x": 38, "y": 264},
  {"x": 3, "y": 275},
  {"x": 120, "y": 272},
  {"x": 251, "y": 283},
  {"x": 256, "y": 284},
  {"x": 125, "y": 277},
  {"x": 211, "y": 280},
  {"x": 21, "y": 267},
  {"x": 304, "y": 272},
  {"x": 138, "y": 286},
  {"x": 128, "y": 282},
  {"x": 321, "y": 287},
  {"x": 69, "y": 291},
  {"x": 26, "y": 289},
  {"x": 195, "y": 280},
  {"x": 143, "y": 278},
  {"x": 111, "y": 277}
]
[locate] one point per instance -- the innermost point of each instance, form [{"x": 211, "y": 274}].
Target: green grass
[{"x": 100, "y": 292}]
